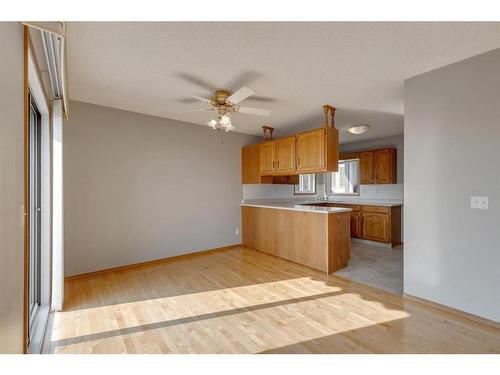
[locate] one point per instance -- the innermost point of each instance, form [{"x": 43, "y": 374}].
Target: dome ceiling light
[{"x": 358, "y": 128}]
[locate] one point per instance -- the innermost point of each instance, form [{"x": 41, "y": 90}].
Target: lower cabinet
[
  {"x": 375, "y": 226},
  {"x": 355, "y": 221},
  {"x": 317, "y": 240},
  {"x": 375, "y": 223}
]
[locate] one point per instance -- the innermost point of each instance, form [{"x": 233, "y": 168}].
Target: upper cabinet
[
  {"x": 376, "y": 166},
  {"x": 318, "y": 150},
  {"x": 285, "y": 155},
  {"x": 313, "y": 151},
  {"x": 366, "y": 167},
  {"x": 278, "y": 157},
  {"x": 268, "y": 158},
  {"x": 250, "y": 166},
  {"x": 384, "y": 166}
]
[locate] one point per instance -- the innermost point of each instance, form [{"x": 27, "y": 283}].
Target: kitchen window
[
  {"x": 346, "y": 180},
  {"x": 306, "y": 185}
]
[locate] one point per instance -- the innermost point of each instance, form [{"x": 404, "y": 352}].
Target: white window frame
[
  {"x": 299, "y": 192},
  {"x": 329, "y": 182}
]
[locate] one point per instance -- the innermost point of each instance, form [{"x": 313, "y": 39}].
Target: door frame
[{"x": 33, "y": 86}]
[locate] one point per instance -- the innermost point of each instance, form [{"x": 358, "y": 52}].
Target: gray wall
[
  {"x": 11, "y": 188},
  {"x": 452, "y": 140},
  {"x": 395, "y": 141},
  {"x": 138, "y": 188}
]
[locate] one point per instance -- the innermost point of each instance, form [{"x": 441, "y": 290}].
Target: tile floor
[{"x": 376, "y": 266}]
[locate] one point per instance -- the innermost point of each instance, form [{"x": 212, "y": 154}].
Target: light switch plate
[{"x": 482, "y": 203}]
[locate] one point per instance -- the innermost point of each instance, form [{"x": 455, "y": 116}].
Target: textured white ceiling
[{"x": 295, "y": 68}]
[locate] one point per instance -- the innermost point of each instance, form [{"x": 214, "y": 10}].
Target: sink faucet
[{"x": 324, "y": 197}]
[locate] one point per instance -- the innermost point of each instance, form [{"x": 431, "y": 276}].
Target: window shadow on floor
[
  {"x": 220, "y": 270},
  {"x": 186, "y": 320}
]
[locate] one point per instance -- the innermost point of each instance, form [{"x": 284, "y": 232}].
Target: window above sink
[{"x": 346, "y": 181}]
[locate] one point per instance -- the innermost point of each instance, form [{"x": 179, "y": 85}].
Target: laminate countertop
[
  {"x": 305, "y": 205},
  {"x": 292, "y": 206}
]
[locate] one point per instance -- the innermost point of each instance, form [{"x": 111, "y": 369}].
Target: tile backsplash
[
  {"x": 382, "y": 191},
  {"x": 286, "y": 191},
  {"x": 267, "y": 191}
]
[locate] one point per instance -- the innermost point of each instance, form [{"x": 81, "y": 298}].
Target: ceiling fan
[{"x": 226, "y": 103}]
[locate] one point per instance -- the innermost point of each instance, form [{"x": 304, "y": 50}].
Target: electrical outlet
[
  {"x": 237, "y": 231},
  {"x": 220, "y": 234},
  {"x": 482, "y": 203}
]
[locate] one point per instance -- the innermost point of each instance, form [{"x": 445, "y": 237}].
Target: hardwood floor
[{"x": 243, "y": 301}]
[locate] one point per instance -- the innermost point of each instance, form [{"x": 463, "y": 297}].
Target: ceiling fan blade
[
  {"x": 200, "y": 98},
  {"x": 240, "y": 95},
  {"x": 198, "y": 110},
  {"x": 254, "y": 111},
  {"x": 198, "y": 81}
]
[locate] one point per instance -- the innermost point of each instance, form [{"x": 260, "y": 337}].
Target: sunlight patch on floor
[{"x": 123, "y": 315}]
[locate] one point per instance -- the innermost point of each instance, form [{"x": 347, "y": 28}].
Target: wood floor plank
[{"x": 243, "y": 301}]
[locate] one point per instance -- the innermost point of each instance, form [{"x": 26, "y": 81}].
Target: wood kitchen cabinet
[
  {"x": 384, "y": 166},
  {"x": 278, "y": 157},
  {"x": 355, "y": 218},
  {"x": 250, "y": 166},
  {"x": 317, "y": 151},
  {"x": 308, "y": 152},
  {"x": 375, "y": 223},
  {"x": 366, "y": 167},
  {"x": 381, "y": 223},
  {"x": 250, "y": 169},
  {"x": 285, "y": 155},
  {"x": 375, "y": 226},
  {"x": 355, "y": 223},
  {"x": 317, "y": 240},
  {"x": 267, "y": 158},
  {"x": 313, "y": 151},
  {"x": 378, "y": 166}
]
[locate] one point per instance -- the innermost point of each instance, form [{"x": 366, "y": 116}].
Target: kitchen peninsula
[{"x": 317, "y": 237}]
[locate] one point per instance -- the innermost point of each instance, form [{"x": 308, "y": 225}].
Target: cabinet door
[
  {"x": 355, "y": 224},
  {"x": 375, "y": 226},
  {"x": 384, "y": 166},
  {"x": 250, "y": 164},
  {"x": 285, "y": 155},
  {"x": 366, "y": 167},
  {"x": 267, "y": 158},
  {"x": 311, "y": 151}
]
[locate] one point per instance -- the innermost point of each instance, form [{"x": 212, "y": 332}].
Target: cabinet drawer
[{"x": 378, "y": 209}]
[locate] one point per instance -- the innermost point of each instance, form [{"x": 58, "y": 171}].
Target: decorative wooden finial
[
  {"x": 328, "y": 108},
  {"x": 266, "y": 129}
]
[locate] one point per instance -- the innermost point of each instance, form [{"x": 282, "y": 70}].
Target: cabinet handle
[
  {"x": 278, "y": 164},
  {"x": 298, "y": 161}
]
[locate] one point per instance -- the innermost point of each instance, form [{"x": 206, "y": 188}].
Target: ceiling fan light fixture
[
  {"x": 212, "y": 123},
  {"x": 225, "y": 104},
  {"x": 225, "y": 120},
  {"x": 358, "y": 128}
]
